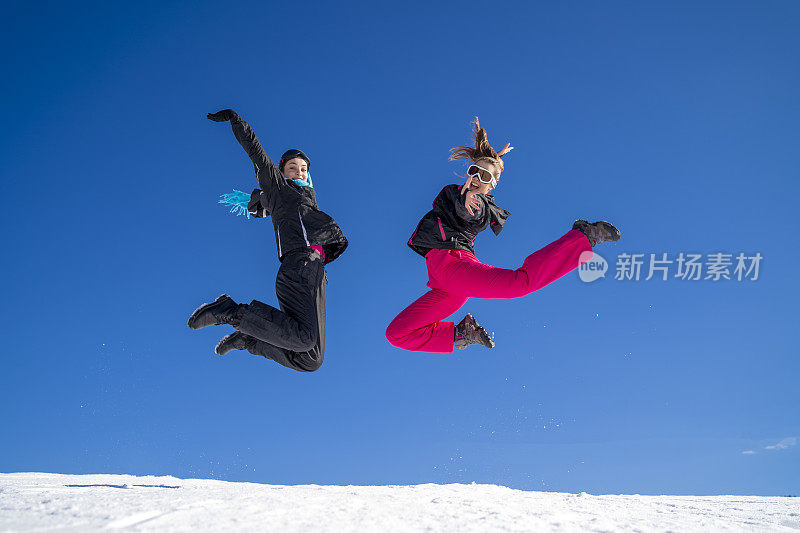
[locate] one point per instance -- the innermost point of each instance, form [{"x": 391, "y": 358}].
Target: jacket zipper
[{"x": 305, "y": 235}]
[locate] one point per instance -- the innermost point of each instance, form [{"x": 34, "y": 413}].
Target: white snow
[{"x": 48, "y": 502}]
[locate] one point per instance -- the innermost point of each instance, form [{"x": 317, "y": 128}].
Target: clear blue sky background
[{"x": 677, "y": 121}]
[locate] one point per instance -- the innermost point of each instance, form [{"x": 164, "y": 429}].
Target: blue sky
[{"x": 677, "y": 122}]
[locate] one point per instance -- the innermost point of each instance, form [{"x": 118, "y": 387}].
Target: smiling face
[
  {"x": 296, "y": 169},
  {"x": 476, "y": 184}
]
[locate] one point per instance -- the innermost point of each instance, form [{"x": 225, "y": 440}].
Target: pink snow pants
[{"x": 455, "y": 276}]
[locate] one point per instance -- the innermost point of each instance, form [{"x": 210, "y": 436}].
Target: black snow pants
[{"x": 293, "y": 336}]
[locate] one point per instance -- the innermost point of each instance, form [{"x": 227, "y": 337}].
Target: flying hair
[{"x": 481, "y": 150}]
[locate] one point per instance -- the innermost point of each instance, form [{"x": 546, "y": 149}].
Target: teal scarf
[{"x": 306, "y": 183}]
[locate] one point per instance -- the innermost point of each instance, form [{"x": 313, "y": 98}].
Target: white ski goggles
[{"x": 484, "y": 175}]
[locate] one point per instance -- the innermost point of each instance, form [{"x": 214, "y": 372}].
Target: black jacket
[
  {"x": 449, "y": 225},
  {"x": 296, "y": 218}
]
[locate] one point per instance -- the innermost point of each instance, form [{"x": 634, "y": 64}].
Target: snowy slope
[{"x": 118, "y": 502}]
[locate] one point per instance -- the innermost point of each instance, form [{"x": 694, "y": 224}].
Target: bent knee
[
  {"x": 306, "y": 341},
  {"x": 313, "y": 365},
  {"x": 395, "y": 334}
]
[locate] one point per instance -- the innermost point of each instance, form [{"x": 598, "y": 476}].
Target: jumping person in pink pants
[{"x": 445, "y": 237}]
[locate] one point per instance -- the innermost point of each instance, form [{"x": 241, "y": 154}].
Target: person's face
[
  {"x": 476, "y": 184},
  {"x": 296, "y": 169}
]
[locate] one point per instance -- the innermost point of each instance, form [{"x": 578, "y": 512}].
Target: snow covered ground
[{"x": 57, "y": 502}]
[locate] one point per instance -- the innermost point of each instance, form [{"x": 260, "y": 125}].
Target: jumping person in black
[{"x": 307, "y": 239}]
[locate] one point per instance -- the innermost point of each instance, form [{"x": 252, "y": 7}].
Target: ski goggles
[{"x": 484, "y": 175}]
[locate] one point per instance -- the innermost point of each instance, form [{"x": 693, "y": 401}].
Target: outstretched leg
[{"x": 460, "y": 272}]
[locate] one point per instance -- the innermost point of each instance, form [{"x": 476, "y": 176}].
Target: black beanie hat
[{"x": 291, "y": 154}]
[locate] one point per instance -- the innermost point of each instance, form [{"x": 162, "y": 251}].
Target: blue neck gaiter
[{"x": 306, "y": 183}]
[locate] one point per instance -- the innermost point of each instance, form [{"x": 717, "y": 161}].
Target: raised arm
[{"x": 266, "y": 171}]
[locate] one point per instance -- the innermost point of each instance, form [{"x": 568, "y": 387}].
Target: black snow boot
[
  {"x": 597, "y": 232},
  {"x": 235, "y": 341},
  {"x": 223, "y": 310},
  {"x": 468, "y": 331}
]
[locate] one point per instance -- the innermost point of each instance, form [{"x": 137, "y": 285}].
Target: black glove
[{"x": 222, "y": 116}]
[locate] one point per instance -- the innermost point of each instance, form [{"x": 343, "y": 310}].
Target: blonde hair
[{"x": 481, "y": 150}]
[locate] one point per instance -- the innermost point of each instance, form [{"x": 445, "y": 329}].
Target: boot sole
[
  {"x": 486, "y": 339},
  {"x": 483, "y": 335}
]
